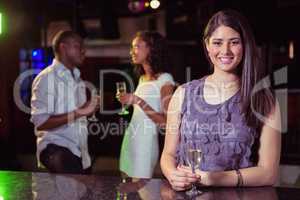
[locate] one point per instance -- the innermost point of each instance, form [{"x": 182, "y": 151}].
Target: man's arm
[
  {"x": 55, "y": 121},
  {"x": 42, "y": 105}
]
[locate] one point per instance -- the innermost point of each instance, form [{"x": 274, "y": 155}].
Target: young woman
[
  {"x": 139, "y": 152},
  {"x": 224, "y": 113}
]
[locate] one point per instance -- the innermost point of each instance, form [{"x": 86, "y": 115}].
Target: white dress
[{"x": 139, "y": 151}]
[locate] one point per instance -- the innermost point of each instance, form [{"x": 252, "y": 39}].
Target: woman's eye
[
  {"x": 217, "y": 43},
  {"x": 235, "y": 42}
]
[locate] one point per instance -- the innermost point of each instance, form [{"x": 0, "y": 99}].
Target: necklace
[
  {"x": 224, "y": 86},
  {"x": 218, "y": 92}
]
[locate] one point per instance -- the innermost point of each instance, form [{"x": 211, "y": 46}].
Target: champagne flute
[
  {"x": 121, "y": 89},
  {"x": 93, "y": 118},
  {"x": 193, "y": 159}
]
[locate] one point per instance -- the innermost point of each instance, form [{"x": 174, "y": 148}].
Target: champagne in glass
[
  {"x": 93, "y": 118},
  {"x": 121, "y": 89},
  {"x": 193, "y": 159}
]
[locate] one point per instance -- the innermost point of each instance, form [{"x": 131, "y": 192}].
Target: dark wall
[{"x": 272, "y": 22}]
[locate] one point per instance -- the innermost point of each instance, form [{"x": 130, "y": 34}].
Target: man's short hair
[{"x": 62, "y": 36}]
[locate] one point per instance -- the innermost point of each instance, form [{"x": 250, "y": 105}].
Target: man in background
[{"x": 59, "y": 108}]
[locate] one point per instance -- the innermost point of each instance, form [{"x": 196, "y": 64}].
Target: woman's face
[
  {"x": 139, "y": 51},
  {"x": 225, "y": 48}
]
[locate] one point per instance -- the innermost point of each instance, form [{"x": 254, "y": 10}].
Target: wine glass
[
  {"x": 121, "y": 89},
  {"x": 193, "y": 159},
  {"x": 93, "y": 118}
]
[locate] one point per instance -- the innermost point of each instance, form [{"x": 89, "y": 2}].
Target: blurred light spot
[
  {"x": 0, "y": 27},
  {"x": 154, "y": 4},
  {"x": 291, "y": 50}
]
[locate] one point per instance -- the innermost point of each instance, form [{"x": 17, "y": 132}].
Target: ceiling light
[
  {"x": 136, "y": 6},
  {"x": 154, "y": 4}
]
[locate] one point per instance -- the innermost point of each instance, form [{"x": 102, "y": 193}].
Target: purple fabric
[{"x": 220, "y": 131}]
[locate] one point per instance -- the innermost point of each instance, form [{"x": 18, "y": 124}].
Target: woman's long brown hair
[
  {"x": 158, "y": 55},
  {"x": 251, "y": 69}
]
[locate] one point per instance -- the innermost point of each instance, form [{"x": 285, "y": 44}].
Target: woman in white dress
[{"x": 140, "y": 149}]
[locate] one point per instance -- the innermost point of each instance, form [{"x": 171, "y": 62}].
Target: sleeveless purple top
[{"x": 220, "y": 131}]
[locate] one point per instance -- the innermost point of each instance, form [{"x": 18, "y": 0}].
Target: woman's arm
[
  {"x": 157, "y": 117},
  {"x": 160, "y": 119},
  {"x": 178, "y": 179},
  {"x": 265, "y": 173}
]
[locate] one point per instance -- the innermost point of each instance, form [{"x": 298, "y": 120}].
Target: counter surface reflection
[{"x": 46, "y": 186}]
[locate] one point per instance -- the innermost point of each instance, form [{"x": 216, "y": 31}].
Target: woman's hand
[
  {"x": 205, "y": 176},
  {"x": 127, "y": 98},
  {"x": 181, "y": 179}
]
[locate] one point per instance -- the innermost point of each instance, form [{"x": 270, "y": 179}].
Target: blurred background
[{"x": 28, "y": 26}]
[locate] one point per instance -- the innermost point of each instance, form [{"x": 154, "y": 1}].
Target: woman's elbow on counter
[{"x": 271, "y": 178}]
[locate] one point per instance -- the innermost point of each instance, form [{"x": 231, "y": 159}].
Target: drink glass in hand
[
  {"x": 121, "y": 89},
  {"x": 193, "y": 159},
  {"x": 93, "y": 118}
]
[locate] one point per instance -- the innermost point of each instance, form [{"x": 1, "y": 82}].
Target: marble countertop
[{"x": 46, "y": 186}]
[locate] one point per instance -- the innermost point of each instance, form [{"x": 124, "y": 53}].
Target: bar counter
[{"x": 45, "y": 186}]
